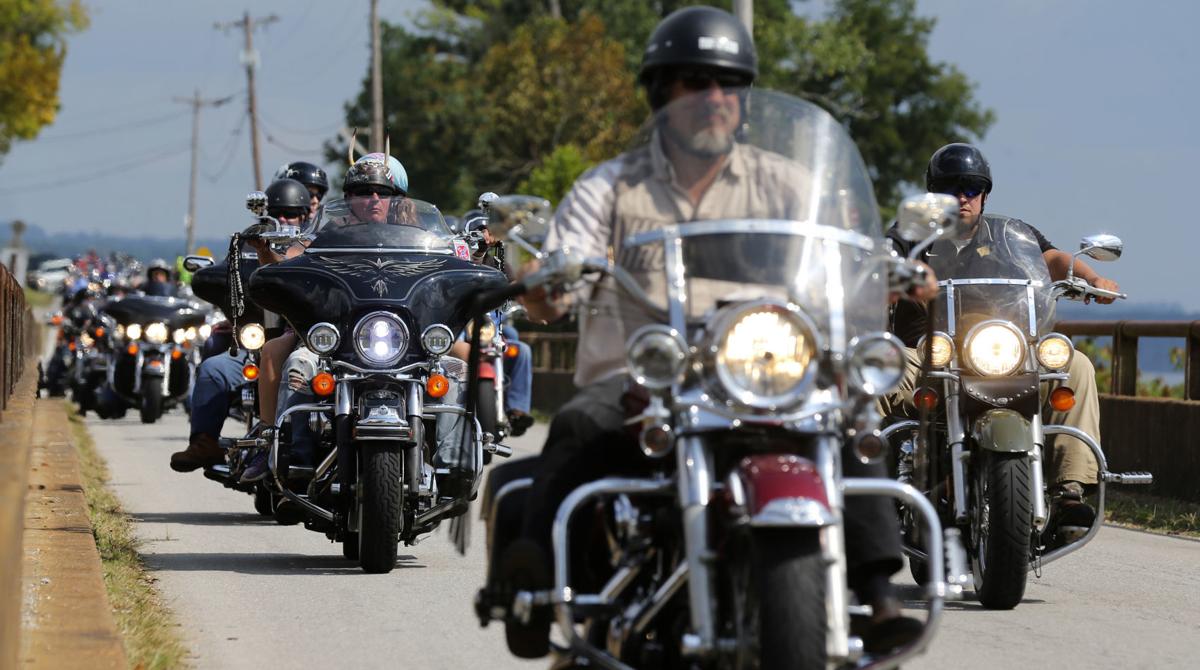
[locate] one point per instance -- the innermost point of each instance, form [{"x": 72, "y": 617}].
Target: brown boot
[{"x": 202, "y": 451}]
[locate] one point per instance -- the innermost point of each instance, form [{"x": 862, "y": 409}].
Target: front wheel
[
  {"x": 485, "y": 411},
  {"x": 381, "y": 506},
  {"x": 1003, "y": 514},
  {"x": 152, "y": 400}
]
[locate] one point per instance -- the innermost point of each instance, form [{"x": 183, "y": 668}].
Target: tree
[
  {"x": 554, "y": 177},
  {"x": 32, "y": 50}
]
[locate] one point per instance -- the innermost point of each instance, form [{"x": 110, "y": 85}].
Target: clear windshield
[
  {"x": 992, "y": 273},
  {"x": 376, "y": 222},
  {"x": 732, "y": 195}
]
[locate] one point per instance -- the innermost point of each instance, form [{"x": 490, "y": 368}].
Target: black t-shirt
[{"x": 908, "y": 319}]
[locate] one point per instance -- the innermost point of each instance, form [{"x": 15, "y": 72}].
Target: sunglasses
[
  {"x": 970, "y": 189},
  {"x": 700, "y": 80},
  {"x": 366, "y": 191}
]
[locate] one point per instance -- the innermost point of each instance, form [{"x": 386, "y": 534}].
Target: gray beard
[{"x": 705, "y": 144}]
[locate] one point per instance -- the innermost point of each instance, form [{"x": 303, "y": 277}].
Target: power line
[
  {"x": 141, "y": 123},
  {"x": 229, "y": 151},
  {"x": 196, "y": 103},
  {"x": 119, "y": 169},
  {"x": 250, "y": 58}
]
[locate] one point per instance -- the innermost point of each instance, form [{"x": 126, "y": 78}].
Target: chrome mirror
[
  {"x": 257, "y": 202},
  {"x": 1102, "y": 247},
  {"x": 523, "y": 218},
  {"x": 197, "y": 263},
  {"x": 928, "y": 217}
]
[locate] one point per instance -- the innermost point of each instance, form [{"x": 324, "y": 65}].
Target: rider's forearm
[{"x": 1059, "y": 264}]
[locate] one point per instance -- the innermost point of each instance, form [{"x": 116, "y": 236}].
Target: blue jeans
[
  {"x": 518, "y": 372},
  {"x": 216, "y": 379}
]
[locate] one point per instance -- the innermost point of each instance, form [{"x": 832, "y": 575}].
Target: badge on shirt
[
  {"x": 462, "y": 250},
  {"x": 983, "y": 251}
]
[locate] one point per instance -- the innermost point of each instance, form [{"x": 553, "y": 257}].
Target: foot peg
[
  {"x": 1135, "y": 477},
  {"x": 502, "y": 450}
]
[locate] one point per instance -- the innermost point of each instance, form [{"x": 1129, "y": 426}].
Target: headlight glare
[
  {"x": 995, "y": 348},
  {"x": 134, "y": 331},
  {"x": 876, "y": 363},
  {"x": 205, "y": 331},
  {"x": 1055, "y": 351},
  {"x": 156, "y": 333},
  {"x": 437, "y": 339},
  {"x": 657, "y": 356},
  {"x": 252, "y": 337},
  {"x": 381, "y": 338},
  {"x": 179, "y": 335},
  {"x": 190, "y": 334},
  {"x": 942, "y": 349},
  {"x": 763, "y": 355},
  {"x": 323, "y": 338}
]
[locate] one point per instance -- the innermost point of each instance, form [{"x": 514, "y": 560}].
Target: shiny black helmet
[
  {"x": 376, "y": 171},
  {"x": 957, "y": 163},
  {"x": 306, "y": 173},
  {"x": 287, "y": 197},
  {"x": 697, "y": 37}
]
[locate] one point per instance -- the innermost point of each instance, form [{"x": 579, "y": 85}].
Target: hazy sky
[{"x": 1096, "y": 122}]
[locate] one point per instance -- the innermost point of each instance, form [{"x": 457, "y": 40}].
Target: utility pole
[
  {"x": 250, "y": 58},
  {"x": 196, "y": 102},
  {"x": 744, "y": 11},
  {"x": 555, "y": 9},
  {"x": 376, "y": 81}
]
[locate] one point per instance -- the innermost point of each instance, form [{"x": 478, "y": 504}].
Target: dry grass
[
  {"x": 147, "y": 626},
  {"x": 1159, "y": 515}
]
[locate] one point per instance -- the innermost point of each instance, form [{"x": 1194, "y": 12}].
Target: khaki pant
[{"x": 1070, "y": 459}]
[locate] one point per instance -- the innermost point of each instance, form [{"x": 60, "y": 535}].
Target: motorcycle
[
  {"x": 92, "y": 349},
  {"x": 755, "y": 347},
  {"x": 152, "y": 365},
  {"x": 993, "y": 366},
  {"x": 379, "y": 304}
]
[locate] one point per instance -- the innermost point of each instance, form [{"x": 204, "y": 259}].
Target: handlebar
[{"x": 1076, "y": 288}]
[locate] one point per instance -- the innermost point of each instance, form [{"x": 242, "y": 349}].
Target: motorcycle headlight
[
  {"x": 657, "y": 356},
  {"x": 763, "y": 355},
  {"x": 942, "y": 349},
  {"x": 1054, "y": 351},
  {"x": 205, "y": 331},
  {"x": 437, "y": 339},
  {"x": 86, "y": 339},
  {"x": 156, "y": 333},
  {"x": 179, "y": 336},
  {"x": 120, "y": 330},
  {"x": 323, "y": 338},
  {"x": 876, "y": 363},
  {"x": 381, "y": 338},
  {"x": 252, "y": 336},
  {"x": 133, "y": 331},
  {"x": 487, "y": 331},
  {"x": 190, "y": 334},
  {"x": 995, "y": 348}
]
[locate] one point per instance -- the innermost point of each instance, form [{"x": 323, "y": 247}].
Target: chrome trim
[
  {"x": 1030, "y": 302},
  {"x": 852, "y": 366},
  {"x": 396, "y": 321},
  {"x": 378, "y": 250},
  {"x": 722, "y": 323},
  {"x": 1037, "y": 477},
  {"x": 833, "y": 542},
  {"x": 449, "y": 335},
  {"x": 661, "y": 597},
  {"x": 991, "y": 282},
  {"x": 311, "y": 507},
  {"x": 324, "y": 467},
  {"x": 1037, "y": 354},
  {"x": 342, "y": 398},
  {"x": 955, "y": 436},
  {"x": 676, "y": 278},
  {"x": 420, "y": 365},
  {"x": 749, "y": 226},
  {"x": 907, "y": 424},
  {"x": 793, "y": 512},
  {"x": 506, "y": 490},
  {"x": 671, "y": 334},
  {"x": 951, "y": 321},
  {"x": 273, "y": 456},
  {"x": 337, "y": 338},
  {"x": 443, "y": 409},
  {"x": 835, "y": 296},
  {"x": 694, "y": 475}
]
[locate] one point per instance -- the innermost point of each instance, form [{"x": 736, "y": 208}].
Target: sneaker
[
  {"x": 203, "y": 451},
  {"x": 257, "y": 469}
]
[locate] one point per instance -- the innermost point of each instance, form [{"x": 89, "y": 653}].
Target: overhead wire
[
  {"x": 60, "y": 181},
  {"x": 130, "y": 125},
  {"x": 229, "y": 150}
]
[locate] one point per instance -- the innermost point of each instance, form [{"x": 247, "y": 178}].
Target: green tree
[
  {"x": 554, "y": 177},
  {"x": 32, "y": 49}
]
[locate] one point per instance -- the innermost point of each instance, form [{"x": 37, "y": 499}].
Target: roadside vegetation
[
  {"x": 147, "y": 627},
  {"x": 1152, "y": 513},
  {"x": 37, "y": 299}
]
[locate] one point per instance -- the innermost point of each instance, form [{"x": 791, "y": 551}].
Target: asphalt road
[{"x": 252, "y": 594}]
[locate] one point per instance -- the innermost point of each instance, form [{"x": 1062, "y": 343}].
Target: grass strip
[
  {"x": 147, "y": 627},
  {"x": 1152, "y": 513},
  {"x": 37, "y": 299}
]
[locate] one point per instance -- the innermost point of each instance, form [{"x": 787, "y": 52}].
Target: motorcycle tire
[
  {"x": 1001, "y": 558},
  {"x": 152, "y": 400},
  {"x": 789, "y": 579},
  {"x": 485, "y": 411},
  {"x": 264, "y": 502},
  {"x": 381, "y": 506}
]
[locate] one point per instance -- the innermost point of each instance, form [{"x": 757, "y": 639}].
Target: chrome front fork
[{"x": 695, "y": 492}]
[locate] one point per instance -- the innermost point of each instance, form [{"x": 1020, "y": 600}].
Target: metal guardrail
[
  {"x": 17, "y": 335},
  {"x": 1125, "y": 336}
]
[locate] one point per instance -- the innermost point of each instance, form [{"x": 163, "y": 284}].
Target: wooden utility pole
[
  {"x": 744, "y": 10},
  {"x": 250, "y": 58},
  {"x": 196, "y": 102},
  {"x": 377, "y": 141}
]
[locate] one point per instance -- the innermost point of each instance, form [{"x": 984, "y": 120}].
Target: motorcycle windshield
[
  {"x": 382, "y": 224},
  {"x": 788, "y": 214},
  {"x": 997, "y": 272}
]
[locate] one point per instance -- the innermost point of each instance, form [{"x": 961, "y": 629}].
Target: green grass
[
  {"x": 147, "y": 627},
  {"x": 1152, "y": 513},
  {"x": 36, "y": 299}
]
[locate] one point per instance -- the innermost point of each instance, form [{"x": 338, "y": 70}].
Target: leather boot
[{"x": 202, "y": 451}]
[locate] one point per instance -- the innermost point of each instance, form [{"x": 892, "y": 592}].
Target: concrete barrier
[{"x": 16, "y": 437}]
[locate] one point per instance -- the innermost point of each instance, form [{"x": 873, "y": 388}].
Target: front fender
[
  {"x": 782, "y": 490},
  {"x": 1003, "y": 430}
]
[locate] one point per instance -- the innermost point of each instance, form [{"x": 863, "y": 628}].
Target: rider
[
  {"x": 694, "y": 169},
  {"x": 962, "y": 171},
  {"x": 218, "y": 375},
  {"x": 158, "y": 279},
  {"x": 313, "y": 178}
]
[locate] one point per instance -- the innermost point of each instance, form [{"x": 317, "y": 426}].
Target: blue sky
[{"x": 1096, "y": 117}]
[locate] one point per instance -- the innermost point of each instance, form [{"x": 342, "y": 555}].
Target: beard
[{"x": 708, "y": 143}]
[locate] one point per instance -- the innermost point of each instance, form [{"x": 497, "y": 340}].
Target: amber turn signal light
[
  {"x": 437, "y": 386},
  {"x": 323, "y": 384},
  {"x": 1062, "y": 399},
  {"x": 511, "y": 351},
  {"x": 131, "y": 350},
  {"x": 71, "y": 345},
  {"x": 250, "y": 371},
  {"x": 99, "y": 332},
  {"x": 925, "y": 398},
  {"x": 176, "y": 355}
]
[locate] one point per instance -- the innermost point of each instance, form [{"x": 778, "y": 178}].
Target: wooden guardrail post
[
  {"x": 1191, "y": 363},
  {"x": 1125, "y": 346}
]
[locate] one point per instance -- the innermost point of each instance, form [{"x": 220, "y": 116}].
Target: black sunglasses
[
  {"x": 968, "y": 188},
  {"x": 365, "y": 191},
  {"x": 702, "y": 79}
]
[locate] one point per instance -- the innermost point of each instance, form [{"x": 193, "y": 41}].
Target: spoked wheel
[
  {"x": 1002, "y": 525},
  {"x": 380, "y": 506}
]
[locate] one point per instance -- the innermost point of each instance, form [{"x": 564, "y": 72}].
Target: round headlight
[
  {"x": 120, "y": 330},
  {"x": 179, "y": 335},
  {"x": 995, "y": 348},
  {"x": 942, "y": 349},
  {"x": 437, "y": 339},
  {"x": 876, "y": 363},
  {"x": 252, "y": 336},
  {"x": 156, "y": 333},
  {"x": 381, "y": 338},
  {"x": 657, "y": 356},
  {"x": 86, "y": 339},
  {"x": 134, "y": 331},
  {"x": 190, "y": 333},
  {"x": 763, "y": 355},
  {"x": 205, "y": 331},
  {"x": 1055, "y": 351},
  {"x": 323, "y": 338}
]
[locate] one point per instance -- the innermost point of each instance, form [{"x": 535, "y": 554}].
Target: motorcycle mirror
[
  {"x": 1102, "y": 247},
  {"x": 196, "y": 263},
  {"x": 928, "y": 217},
  {"x": 520, "y": 217},
  {"x": 257, "y": 202}
]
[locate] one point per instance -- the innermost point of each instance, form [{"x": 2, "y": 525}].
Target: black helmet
[
  {"x": 307, "y": 174},
  {"x": 697, "y": 36},
  {"x": 955, "y": 162},
  {"x": 287, "y": 197}
]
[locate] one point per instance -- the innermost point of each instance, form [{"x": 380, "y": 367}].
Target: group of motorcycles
[{"x": 758, "y": 347}]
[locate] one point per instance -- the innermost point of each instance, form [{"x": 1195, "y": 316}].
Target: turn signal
[
  {"x": 323, "y": 384},
  {"x": 925, "y": 398},
  {"x": 99, "y": 332},
  {"x": 250, "y": 371},
  {"x": 511, "y": 351},
  {"x": 176, "y": 355},
  {"x": 132, "y": 350},
  {"x": 71, "y": 345},
  {"x": 437, "y": 386},
  {"x": 1062, "y": 399},
  {"x": 56, "y": 320}
]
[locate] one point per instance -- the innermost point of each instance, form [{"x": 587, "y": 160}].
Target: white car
[{"x": 51, "y": 274}]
